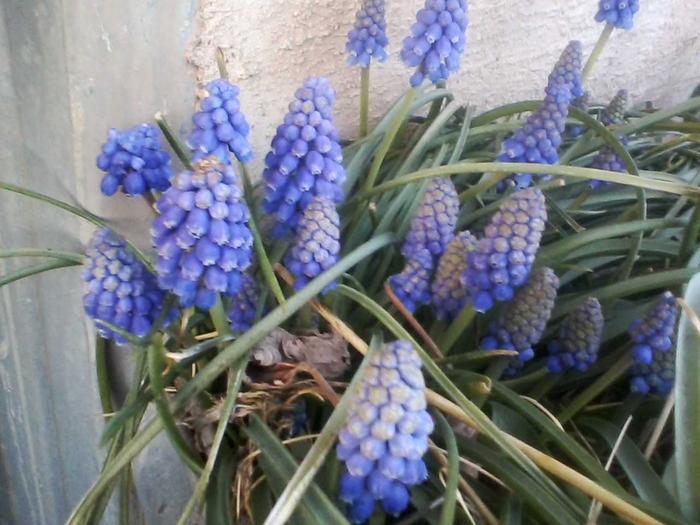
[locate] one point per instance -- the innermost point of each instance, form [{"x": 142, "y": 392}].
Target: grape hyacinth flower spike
[
  {"x": 134, "y": 161},
  {"x": 201, "y": 235},
  {"x": 449, "y": 294},
  {"x": 119, "y": 288},
  {"x": 316, "y": 244},
  {"x": 578, "y": 339},
  {"x": 432, "y": 230},
  {"x": 437, "y": 41},
  {"x": 521, "y": 322},
  {"x": 654, "y": 350},
  {"x": 618, "y": 13},
  {"x": 539, "y": 139},
  {"x": 503, "y": 258},
  {"x": 607, "y": 159},
  {"x": 220, "y": 128},
  {"x": 306, "y": 158},
  {"x": 386, "y": 434},
  {"x": 367, "y": 40},
  {"x": 244, "y": 305}
]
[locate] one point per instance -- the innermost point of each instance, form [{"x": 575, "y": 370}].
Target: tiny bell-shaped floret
[
  {"x": 503, "y": 258},
  {"x": 119, "y": 288},
  {"x": 244, "y": 305},
  {"x": 607, "y": 159},
  {"x": 201, "y": 235},
  {"x": 220, "y": 128},
  {"x": 619, "y": 13},
  {"x": 437, "y": 41},
  {"x": 654, "y": 350},
  {"x": 578, "y": 339},
  {"x": 306, "y": 159},
  {"x": 539, "y": 139},
  {"x": 135, "y": 161},
  {"x": 385, "y": 435},
  {"x": 521, "y": 322},
  {"x": 367, "y": 40},
  {"x": 449, "y": 293},
  {"x": 316, "y": 244}
]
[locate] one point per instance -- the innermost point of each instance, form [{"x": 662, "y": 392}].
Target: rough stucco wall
[{"x": 273, "y": 45}]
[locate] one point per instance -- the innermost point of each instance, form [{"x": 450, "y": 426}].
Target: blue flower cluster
[
  {"x": 654, "y": 350},
  {"x": 432, "y": 229},
  {"x": 120, "y": 290},
  {"x": 503, "y": 258},
  {"x": 619, "y": 13},
  {"x": 521, "y": 322},
  {"x": 220, "y": 128},
  {"x": 244, "y": 305},
  {"x": 539, "y": 139},
  {"x": 437, "y": 41},
  {"x": 316, "y": 244},
  {"x": 306, "y": 158},
  {"x": 135, "y": 161},
  {"x": 368, "y": 40},
  {"x": 386, "y": 434},
  {"x": 449, "y": 294},
  {"x": 578, "y": 339},
  {"x": 412, "y": 284},
  {"x": 201, "y": 235},
  {"x": 607, "y": 159}
]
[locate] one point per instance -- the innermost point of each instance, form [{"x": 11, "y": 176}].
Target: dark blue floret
[
  {"x": 201, "y": 235},
  {"x": 607, "y": 159},
  {"x": 134, "y": 161},
  {"x": 619, "y": 13},
  {"x": 316, "y": 243},
  {"x": 437, "y": 41},
  {"x": 367, "y": 40},
  {"x": 521, "y": 323},
  {"x": 449, "y": 293},
  {"x": 119, "y": 288},
  {"x": 220, "y": 128},
  {"x": 244, "y": 305},
  {"x": 539, "y": 139},
  {"x": 386, "y": 435},
  {"x": 503, "y": 258},
  {"x": 654, "y": 350},
  {"x": 578, "y": 340},
  {"x": 306, "y": 158},
  {"x": 432, "y": 230}
]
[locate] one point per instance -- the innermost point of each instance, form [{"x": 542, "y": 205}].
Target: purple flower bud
[
  {"x": 619, "y": 13},
  {"x": 119, "y": 288},
  {"x": 306, "y": 158},
  {"x": 607, "y": 159},
  {"x": 134, "y": 160},
  {"x": 654, "y": 350},
  {"x": 449, "y": 294},
  {"x": 386, "y": 434},
  {"x": 201, "y": 235},
  {"x": 578, "y": 339},
  {"x": 220, "y": 128}
]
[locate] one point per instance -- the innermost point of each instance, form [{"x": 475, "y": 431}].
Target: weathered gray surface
[{"x": 68, "y": 71}]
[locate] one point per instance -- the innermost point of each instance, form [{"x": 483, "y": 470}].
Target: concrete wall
[{"x": 273, "y": 45}]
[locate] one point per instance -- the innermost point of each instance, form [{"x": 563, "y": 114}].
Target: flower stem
[
  {"x": 218, "y": 317},
  {"x": 221, "y": 63},
  {"x": 103, "y": 378},
  {"x": 172, "y": 139},
  {"x": 456, "y": 329},
  {"x": 597, "y": 50},
  {"x": 364, "y": 101},
  {"x": 589, "y": 394}
]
